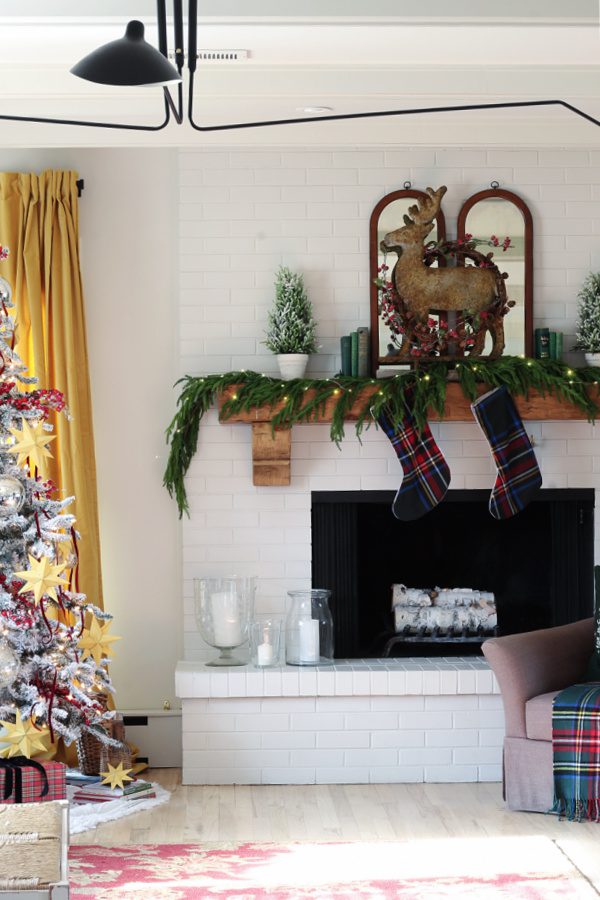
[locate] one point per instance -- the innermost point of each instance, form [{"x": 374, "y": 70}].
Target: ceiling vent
[
  {"x": 222, "y": 56},
  {"x": 218, "y": 56}
]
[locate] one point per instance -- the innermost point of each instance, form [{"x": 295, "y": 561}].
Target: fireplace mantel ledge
[
  {"x": 271, "y": 448},
  {"x": 346, "y": 678}
]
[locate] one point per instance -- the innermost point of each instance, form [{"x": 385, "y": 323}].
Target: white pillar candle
[
  {"x": 264, "y": 654},
  {"x": 226, "y": 620},
  {"x": 308, "y": 640}
]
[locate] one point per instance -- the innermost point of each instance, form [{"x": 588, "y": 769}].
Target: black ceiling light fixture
[{"x": 131, "y": 61}]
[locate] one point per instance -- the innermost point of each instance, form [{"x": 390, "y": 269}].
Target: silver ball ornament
[
  {"x": 9, "y": 665},
  {"x": 41, "y": 548},
  {"x": 12, "y": 496},
  {"x": 5, "y": 292}
]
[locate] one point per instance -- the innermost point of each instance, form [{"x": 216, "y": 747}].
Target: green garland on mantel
[{"x": 426, "y": 383}]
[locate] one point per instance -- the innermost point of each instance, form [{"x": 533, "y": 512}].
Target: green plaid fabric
[{"x": 576, "y": 747}]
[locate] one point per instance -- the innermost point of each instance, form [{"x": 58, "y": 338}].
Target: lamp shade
[{"x": 130, "y": 60}]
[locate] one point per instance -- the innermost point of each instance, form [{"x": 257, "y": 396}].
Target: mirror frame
[
  {"x": 528, "y": 249},
  {"x": 405, "y": 193}
]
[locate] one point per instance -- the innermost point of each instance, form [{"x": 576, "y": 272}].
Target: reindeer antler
[{"x": 425, "y": 211}]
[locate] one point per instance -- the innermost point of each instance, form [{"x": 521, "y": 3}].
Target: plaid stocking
[
  {"x": 426, "y": 473},
  {"x": 518, "y": 472}
]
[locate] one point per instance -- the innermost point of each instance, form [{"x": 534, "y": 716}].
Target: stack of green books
[
  {"x": 355, "y": 353},
  {"x": 548, "y": 344}
]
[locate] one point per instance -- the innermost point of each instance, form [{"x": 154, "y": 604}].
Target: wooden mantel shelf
[{"x": 271, "y": 451}]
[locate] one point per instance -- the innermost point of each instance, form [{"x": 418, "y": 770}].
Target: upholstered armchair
[{"x": 531, "y": 669}]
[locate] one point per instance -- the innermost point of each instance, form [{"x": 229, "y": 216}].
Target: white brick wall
[{"x": 242, "y": 213}]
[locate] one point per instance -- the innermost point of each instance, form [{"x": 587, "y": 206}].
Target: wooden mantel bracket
[
  {"x": 271, "y": 448},
  {"x": 271, "y": 454}
]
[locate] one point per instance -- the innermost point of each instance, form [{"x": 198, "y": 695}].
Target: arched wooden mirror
[
  {"x": 504, "y": 214},
  {"x": 387, "y": 216}
]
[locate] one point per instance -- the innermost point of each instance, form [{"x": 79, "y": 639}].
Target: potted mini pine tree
[
  {"x": 291, "y": 327},
  {"x": 587, "y": 335}
]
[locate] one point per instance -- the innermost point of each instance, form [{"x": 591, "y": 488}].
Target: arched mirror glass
[
  {"x": 387, "y": 216},
  {"x": 497, "y": 214}
]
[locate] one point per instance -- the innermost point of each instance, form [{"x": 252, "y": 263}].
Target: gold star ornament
[
  {"x": 41, "y": 577},
  {"x": 30, "y": 443},
  {"x": 23, "y": 737},
  {"x": 96, "y": 641},
  {"x": 116, "y": 776}
]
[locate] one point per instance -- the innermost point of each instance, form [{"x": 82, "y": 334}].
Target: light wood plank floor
[{"x": 209, "y": 813}]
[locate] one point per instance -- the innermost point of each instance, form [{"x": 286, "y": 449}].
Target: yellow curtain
[{"x": 39, "y": 225}]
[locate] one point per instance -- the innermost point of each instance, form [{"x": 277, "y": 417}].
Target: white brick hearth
[{"x": 358, "y": 721}]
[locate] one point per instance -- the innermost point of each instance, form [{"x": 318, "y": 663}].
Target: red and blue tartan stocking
[
  {"x": 519, "y": 475},
  {"x": 426, "y": 472}
]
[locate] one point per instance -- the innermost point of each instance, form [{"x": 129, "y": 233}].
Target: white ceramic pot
[
  {"x": 593, "y": 359},
  {"x": 292, "y": 365}
]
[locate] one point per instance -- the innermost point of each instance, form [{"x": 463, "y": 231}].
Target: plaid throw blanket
[{"x": 576, "y": 746}]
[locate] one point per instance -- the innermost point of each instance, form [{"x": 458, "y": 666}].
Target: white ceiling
[
  {"x": 458, "y": 9},
  {"x": 368, "y": 56}
]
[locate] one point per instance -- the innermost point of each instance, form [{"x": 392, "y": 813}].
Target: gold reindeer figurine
[{"x": 425, "y": 289}]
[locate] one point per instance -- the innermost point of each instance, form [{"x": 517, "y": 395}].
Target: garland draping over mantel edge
[{"x": 305, "y": 399}]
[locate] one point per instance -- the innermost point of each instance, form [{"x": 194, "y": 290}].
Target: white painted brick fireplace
[{"x": 242, "y": 213}]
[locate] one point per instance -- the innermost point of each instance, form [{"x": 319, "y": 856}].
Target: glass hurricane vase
[{"x": 224, "y": 609}]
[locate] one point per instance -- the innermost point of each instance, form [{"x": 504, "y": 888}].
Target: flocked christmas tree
[
  {"x": 53, "y": 643},
  {"x": 291, "y": 327},
  {"x": 588, "y": 324}
]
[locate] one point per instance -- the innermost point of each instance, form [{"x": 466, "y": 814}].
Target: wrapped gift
[{"x": 24, "y": 780}]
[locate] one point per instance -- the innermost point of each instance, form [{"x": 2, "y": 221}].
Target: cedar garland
[{"x": 305, "y": 398}]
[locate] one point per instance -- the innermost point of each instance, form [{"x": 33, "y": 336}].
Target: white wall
[
  {"x": 128, "y": 248},
  {"x": 243, "y": 213},
  {"x": 128, "y": 242}
]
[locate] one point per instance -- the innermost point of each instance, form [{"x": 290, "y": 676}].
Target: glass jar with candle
[
  {"x": 265, "y": 635},
  {"x": 224, "y": 609},
  {"x": 309, "y": 629}
]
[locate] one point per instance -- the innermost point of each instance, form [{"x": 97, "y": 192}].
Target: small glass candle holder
[{"x": 265, "y": 641}]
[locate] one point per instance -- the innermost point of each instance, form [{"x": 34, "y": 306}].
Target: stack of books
[
  {"x": 355, "y": 353},
  {"x": 74, "y": 776},
  {"x": 102, "y": 793},
  {"x": 548, "y": 344}
]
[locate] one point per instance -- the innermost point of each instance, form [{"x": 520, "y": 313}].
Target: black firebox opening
[{"x": 539, "y": 564}]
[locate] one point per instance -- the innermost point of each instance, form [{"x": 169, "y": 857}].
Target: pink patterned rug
[{"x": 482, "y": 869}]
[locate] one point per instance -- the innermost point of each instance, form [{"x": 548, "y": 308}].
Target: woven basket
[
  {"x": 88, "y": 746},
  {"x": 31, "y": 840},
  {"x": 88, "y": 753},
  {"x": 92, "y": 752}
]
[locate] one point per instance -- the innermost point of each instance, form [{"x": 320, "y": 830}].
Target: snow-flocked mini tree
[
  {"x": 53, "y": 643},
  {"x": 291, "y": 327},
  {"x": 587, "y": 336}
]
